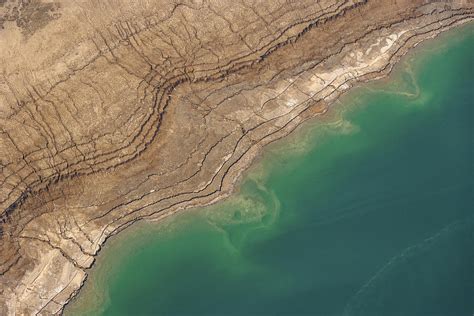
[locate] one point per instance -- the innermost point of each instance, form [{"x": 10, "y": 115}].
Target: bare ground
[{"x": 117, "y": 111}]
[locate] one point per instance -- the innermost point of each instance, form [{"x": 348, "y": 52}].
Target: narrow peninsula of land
[{"x": 117, "y": 111}]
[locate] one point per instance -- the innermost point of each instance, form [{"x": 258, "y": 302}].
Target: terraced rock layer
[{"x": 117, "y": 111}]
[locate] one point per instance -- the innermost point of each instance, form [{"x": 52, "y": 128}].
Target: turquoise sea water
[{"x": 368, "y": 211}]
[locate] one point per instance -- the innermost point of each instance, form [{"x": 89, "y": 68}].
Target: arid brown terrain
[{"x": 114, "y": 111}]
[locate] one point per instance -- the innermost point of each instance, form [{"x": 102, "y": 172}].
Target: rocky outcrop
[{"x": 117, "y": 111}]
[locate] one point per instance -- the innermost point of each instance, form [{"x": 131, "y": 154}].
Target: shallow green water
[{"x": 368, "y": 212}]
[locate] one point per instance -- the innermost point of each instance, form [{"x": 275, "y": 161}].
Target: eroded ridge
[{"x": 112, "y": 112}]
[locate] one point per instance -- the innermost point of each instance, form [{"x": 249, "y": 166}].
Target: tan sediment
[{"x": 113, "y": 112}]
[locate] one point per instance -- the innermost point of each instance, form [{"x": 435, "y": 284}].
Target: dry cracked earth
[{"x": 115, "y": 111}]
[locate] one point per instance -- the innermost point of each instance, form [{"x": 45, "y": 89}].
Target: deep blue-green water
[{"x": 368, "y": 211}]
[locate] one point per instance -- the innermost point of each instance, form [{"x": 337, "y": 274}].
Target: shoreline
[
  {"x": 214, "y": 121},
  {"x": 257, "y": 153}
]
